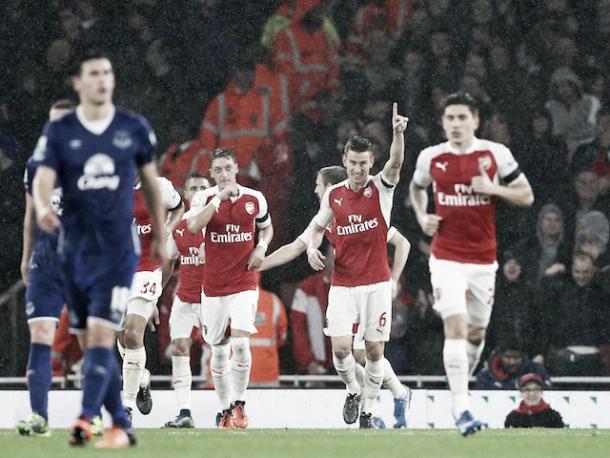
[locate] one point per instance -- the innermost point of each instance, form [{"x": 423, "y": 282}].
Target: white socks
[
  {"x": 373, "y": 377},
  {"x": 455, "y": 359},
  {"x": 134, "y": 363},
  {"x": 241, "y": 363},
  {"x": 391, "y": 382},
  {"x": 221, "y": 374},
  {"x": 346, "y": 368},
  {"x": 474, "y": 354},
  {"x": 182, "y": 380}
]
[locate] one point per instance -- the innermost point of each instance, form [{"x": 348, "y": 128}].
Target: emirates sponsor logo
[
  {"x": 357, "y": 225},
  {"x": 144, "y": 229},
  {"x": 463, "y": 197},
  {"x": 233, "y": 235},
  {"x": 192, "y": 260}
]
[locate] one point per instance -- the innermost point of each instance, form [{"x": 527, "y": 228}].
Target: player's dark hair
[
  {"x": 357, "y": 144},
  {"x": 222, "y": 152},
  {"x": 460, "y": 98},
  {"x": 63, "y": 104},
  {"x": 333, "y": 174},
  {"x": 84, "y": 56}
]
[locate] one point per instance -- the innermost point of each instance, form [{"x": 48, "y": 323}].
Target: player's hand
[
  {"x": 229, "y": 191},
  {"x": 256, "y": 258},
  {"x": 399, "y": 123},
  {"x": 394, "y": 285},
  {"x": 481, "y": 184},
  {"x": 47, "y": 219},
  {"x": 316, "y": 259},
  {"x": 25, "y": 269},
  {"x": 429, "y": 223},
  {"x": 154, "y": 320}
]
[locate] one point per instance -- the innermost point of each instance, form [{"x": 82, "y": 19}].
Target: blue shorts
[
  {"x": 44, "y": 296},
  {"x": 97, "y": 285}
]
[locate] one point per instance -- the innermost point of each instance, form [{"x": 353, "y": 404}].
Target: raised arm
[
  {"x": 44, "y": 181},
  {"x": 517, "y": 192},
  {"x": 391, "y": 169},
  {"x": 198, "y": 220}
]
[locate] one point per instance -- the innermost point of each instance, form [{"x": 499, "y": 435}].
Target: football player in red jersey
[
  {"x": 230, "y": 214},
  {"x": 361, "y": 291},
  {"x": 469, "y": 174},
  {"x": 186, "y": 308}
]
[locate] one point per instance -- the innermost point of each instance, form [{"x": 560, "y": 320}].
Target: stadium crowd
[{"x": 284, "y": 84}]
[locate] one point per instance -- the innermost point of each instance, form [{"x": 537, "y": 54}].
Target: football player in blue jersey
[
  {"x": 44, "y": 296},
  {"x": 95, "y": 152}
]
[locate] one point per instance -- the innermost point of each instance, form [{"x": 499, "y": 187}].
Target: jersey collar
[
  {"x": 95, "y": 127},
  {"x": 476, "y": 146}
]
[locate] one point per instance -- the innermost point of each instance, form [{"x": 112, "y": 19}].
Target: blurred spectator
[
  {"x": 310, "y": 346},
  {"x": 308, "y": 54},
  {"x": 574, "y": 348},
  {"x": 533, "y": 412},
  {"x": 513, "y": 316},
  {"x": 596, "y": 155},
  {"x": 506, "y": 366},
  {"x": 573, "y": 112},
  {"x": 592, "y": 233},
  {"x": 272, "y": 326}
]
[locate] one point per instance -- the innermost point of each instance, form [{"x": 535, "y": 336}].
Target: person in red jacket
[{"x": 533, "y": 412}]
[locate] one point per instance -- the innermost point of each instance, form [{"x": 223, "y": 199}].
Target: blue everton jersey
[
  {"x": 44, "y": 253},
  {"x": 97, "y": 173}
]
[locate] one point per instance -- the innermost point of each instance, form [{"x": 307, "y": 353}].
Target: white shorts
[
  {"x": 463, "y": 289},
  {"x": 183, "y": 318},
  {"x": 237, "y": 311},
  {"x": 146, "y": 287},
  {"x": 367, "y": 308}
]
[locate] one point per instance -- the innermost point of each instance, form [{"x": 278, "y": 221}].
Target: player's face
[
  {"x": 56, "y": 113},
  {"x": 194, "y": 185},
  {"x": 531, "y": 393},
  {"x": 224, "y": 171},
  {"x": 358, "y": 166},
  {"x": 320, "y": 187},
  {"x": 95, "y": 84},
  {"x": 460, "y": 124}
]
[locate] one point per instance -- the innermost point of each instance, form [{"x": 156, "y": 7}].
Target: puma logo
[
  {"x": 338, "y": 201},
  {"x": 441, "y": 165}
]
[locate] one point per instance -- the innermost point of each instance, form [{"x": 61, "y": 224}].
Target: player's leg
[
  {"x": 183, "y": 318},
  {"x": 242, "y": 313},
  {"x": 215, "y": 321},
  {"x": 134, "y": 361}
]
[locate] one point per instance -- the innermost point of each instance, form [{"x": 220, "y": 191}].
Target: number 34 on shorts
[{"x": 147, "y": 285}]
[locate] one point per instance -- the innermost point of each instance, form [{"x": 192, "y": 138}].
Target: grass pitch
[{"x": 161, "y": 443}]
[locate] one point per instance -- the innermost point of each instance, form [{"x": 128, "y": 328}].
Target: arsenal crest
[
  {"x": 250, "y": 208},
  {"x": 485, "y": 162},
  {"x": 368, "y": 192}
]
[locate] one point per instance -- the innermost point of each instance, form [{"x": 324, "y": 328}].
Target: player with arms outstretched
[
  {"x": 361, "y": 290},
  {"x": 95, "y": 153},
  {"x": 468, "y": 175},
  {"x": 230, "y": 214}
]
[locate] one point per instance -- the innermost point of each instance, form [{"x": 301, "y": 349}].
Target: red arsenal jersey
[
  {"x": 229, "y": 240},
  {"x": 467, "y": 232},
  {"x": 170, "y": 199},
  {"x": 361, "y": 222},
  {"x": 181, "y": 243}
]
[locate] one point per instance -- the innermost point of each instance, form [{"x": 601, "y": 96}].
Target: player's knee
[
  {"x": 374, "y": 351},
  {"x": 476, "y": 335},
  {"x": 359, "y": 356},
  {"x": 241, "y": 348},
  {"x": 342, "y": 352},
  {"x": 181, "y": 347},
  {"x": 42, "y": 332},
  {"x": 133, "y": 337},
  {"x": 220, "y": 359}
]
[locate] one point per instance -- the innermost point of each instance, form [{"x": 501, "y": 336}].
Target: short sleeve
[
  {"x": 325, "y": 214},
  {"x": 169, "y": 196},
  {"x": 263, "y": 219},
  {"x": 305, "y": 236},
  {"x": 391, "y": 232},
  {"x": 47, "y": 151},
  {"x": 384, "y": 185},
  {"x": 507, "y": 165},
  {"x": 422, "y": 176},
  {"x": 148, "y": 142}
]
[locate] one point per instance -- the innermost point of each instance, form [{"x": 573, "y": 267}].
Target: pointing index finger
[{"x": 394, "y": 110}]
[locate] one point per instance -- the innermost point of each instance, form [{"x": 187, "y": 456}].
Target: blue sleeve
[
  {"x": 47, "y": 151},
  {"x": 147, "y": 142}
]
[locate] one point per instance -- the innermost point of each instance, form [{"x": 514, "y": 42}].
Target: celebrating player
[
  {"x": 186, "y": 309},
  {"x": 466, "y": 173},
  {"x": 44, "y": 296},
  {"x": 94, "y": 153},
  {"x": 361, "y": 291},
  {"x": 230, "y": 214},
  {"x": 325, "y": 178},
  {"x": 146, "y": 289}
]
